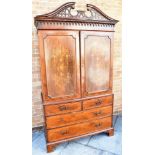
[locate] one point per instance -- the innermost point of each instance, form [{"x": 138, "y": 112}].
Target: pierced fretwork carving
[
  {"x": 94, "y": 15},
  {"x": 65, "y": 14}
]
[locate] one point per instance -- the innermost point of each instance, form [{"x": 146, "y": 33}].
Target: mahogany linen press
[{"x": 76, "y": 57}]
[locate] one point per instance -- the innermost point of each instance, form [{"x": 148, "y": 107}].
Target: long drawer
[
  {"x": 98, "y": 102},
  {"x": 78, "y": 129},
  {"x": 67, "y": 119},
  {"x": 62, "y": 108}
]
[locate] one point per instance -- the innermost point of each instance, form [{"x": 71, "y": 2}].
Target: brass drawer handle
[
  {"x": 99, "y": 102},
  {"x": 98, "y": 113},
  {"x": 63, "y": 108},
  {"x": 64, "y": 132},
  {"x": 98, "y": 125}
]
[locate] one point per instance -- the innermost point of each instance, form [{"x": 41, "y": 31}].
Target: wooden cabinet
[{"x": 76, "y": 72}]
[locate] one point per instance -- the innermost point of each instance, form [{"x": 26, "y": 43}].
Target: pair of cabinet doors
[{"x": 75, "y": 64}]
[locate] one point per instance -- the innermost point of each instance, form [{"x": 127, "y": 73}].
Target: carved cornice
[{"x": 64, "y": 15}]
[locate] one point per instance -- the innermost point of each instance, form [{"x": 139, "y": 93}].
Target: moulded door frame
[{"x": 42, "y": 35}]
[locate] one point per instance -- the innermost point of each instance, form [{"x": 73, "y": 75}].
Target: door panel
[
  {"x": 60, "y": 50},
  {"x": 96, "y": 62},
  {"x": 60, "y": 65}
]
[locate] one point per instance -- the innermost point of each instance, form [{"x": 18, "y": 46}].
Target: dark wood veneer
[{"x": 76, "y": 56}]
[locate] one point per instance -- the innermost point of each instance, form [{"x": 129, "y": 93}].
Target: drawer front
[
  {"x": 68, "y": 119},
  {"x": 78, "y": 129},
  {"x": 62, "y": 108},
  {"x": 98, "y": 102}
]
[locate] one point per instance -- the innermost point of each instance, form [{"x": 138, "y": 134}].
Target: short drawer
[
  {"x": 78, "y": 129},
  {"x": 62, "y": 108},
  {"x": 77, "y": 117},
  {"x": 98, "y": 102}
]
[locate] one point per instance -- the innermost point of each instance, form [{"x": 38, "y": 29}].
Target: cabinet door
[
  {"x": 96, "y": 62},
  {"x": 60, "y": 72}
]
